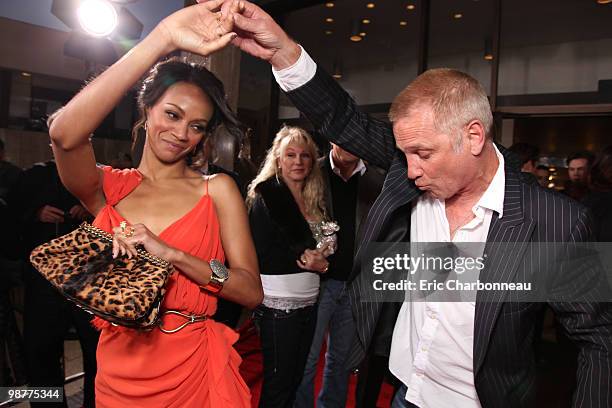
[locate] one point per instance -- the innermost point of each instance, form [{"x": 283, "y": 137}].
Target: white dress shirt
[
  {"x": 433, "y": 342},
  {"x": 360, "y": 168}
]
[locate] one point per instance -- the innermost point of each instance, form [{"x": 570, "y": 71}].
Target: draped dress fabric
[{"x": 194, "y": 367}]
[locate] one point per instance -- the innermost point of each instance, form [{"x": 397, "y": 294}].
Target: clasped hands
[
  {"x": 211, "y": 25},
  {"x": 315, "y": 259}
]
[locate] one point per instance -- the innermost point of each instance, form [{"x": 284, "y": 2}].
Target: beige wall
[
  {"x": 32, "y": 48},
  {"x": 24, "y": 148}
]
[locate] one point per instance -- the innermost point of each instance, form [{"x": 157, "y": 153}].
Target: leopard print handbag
[{"x": 123, "y": 291}]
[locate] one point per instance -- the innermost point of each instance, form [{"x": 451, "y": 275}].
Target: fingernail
[{"x": 233, "y": 35}]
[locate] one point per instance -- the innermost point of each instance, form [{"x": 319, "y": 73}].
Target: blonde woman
[{"x": 286, "y": 215}]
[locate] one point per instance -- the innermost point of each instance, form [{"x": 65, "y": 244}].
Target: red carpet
[{"x": 251, "y": 369}]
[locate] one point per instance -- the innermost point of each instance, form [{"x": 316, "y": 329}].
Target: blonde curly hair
[{"x": 313, "y": 190}]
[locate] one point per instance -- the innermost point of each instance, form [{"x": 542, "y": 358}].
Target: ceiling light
[
  {"x": 403, "y": 23},
  {"x": 366, "y": 21},
  {"x": 370, "y": 5},
  {"x": 26, "y": 74},
  {"x": 488, "y": 50},
  {"x": 410, "y": 7},
  {"x": 329, "y": 4},
  {"x": 337, "y": 70},
  {"x": 363, "y": 33},
  {"x": 356, "y": 30},
  {"x": 329, "y": 32},
  {"x": 329, "y": 20},
  {"x": 97, "y": 17},
  {"x": 604, "y": 1},
  {"x": 457, "y": 16}
]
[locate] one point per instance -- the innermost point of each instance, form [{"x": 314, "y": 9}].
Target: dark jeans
[
  {"x": 47, "y": 318},
  {"x": 334, "y": 319},
  {"x": 399, "y": 400},
  {"x": 285, "y": 342}
]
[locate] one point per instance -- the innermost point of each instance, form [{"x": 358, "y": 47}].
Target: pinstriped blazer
[{"x": 504, "y": 368}]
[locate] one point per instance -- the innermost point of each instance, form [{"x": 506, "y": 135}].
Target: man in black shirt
[
  {"x": 48, "y": 211},
  {"x": 351, "y": 190}
]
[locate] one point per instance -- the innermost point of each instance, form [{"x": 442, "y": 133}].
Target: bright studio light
[{"x": 97, "y": 17}]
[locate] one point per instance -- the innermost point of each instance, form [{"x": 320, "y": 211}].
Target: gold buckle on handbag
[{"x": 190, "y": 319}]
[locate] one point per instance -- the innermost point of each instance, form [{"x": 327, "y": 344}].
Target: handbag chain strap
[{"x": 105, "y": 236}]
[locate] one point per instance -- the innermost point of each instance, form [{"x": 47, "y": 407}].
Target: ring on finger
[{"x": 129, "y": 231}]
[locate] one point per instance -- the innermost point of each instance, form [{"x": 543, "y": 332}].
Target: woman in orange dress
[{"x": 195, "y": 222}]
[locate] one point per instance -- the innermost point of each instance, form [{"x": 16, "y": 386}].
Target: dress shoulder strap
[{"x": 119, "y": 183}]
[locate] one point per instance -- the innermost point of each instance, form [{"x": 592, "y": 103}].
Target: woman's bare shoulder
[{"x": 223, "y": 187}]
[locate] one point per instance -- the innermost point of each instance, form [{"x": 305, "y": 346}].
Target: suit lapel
[
  {"x": 397, "y": 191},
  {"x": 506, "y": 242}
]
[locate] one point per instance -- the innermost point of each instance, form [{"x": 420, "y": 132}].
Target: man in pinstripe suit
[{"x": 448, "y": 181}]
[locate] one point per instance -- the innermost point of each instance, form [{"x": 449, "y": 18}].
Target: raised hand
[
  {"x": 201, "y": 29},
  {"x": 258, "y": 33}
]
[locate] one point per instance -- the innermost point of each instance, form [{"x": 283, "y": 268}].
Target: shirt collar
[
  {"x": 361, "y": 168},
  {"x": 493, "y": 197}
]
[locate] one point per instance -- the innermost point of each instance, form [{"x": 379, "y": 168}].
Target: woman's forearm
[
  {"x": 241, "y": 287},
  {"x": 84, "y": 113}
]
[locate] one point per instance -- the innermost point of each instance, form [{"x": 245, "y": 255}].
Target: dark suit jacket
[{"x": 503, "y": 358}]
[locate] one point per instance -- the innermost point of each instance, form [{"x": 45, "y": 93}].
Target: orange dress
[{"x": 194, "y": 367}]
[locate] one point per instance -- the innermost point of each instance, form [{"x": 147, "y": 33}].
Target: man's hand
[
  {"x": 79, "y": 213},
  {"x": 259, "y": 35},
  {"x": 199, "y": 29},
  {"x": 50, "y": 214}
]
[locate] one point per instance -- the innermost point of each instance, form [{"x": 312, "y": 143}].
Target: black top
[
  {"x": 280, "y": 232},
  {"x": 344, "y": 201},
  {"x": 40, "y": 186},
  {"x": 600, "y": 204},
  {"x": 214, "y": 169}
]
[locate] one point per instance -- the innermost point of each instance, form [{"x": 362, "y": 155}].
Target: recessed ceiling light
[
  {"x": 363, "y": 33},
  {"x": 403, "y": 23},
  {"x": 26, "y": 74},
  {"x": 370, "y": 5},
  {"x": 457, "y": 16},
  {"x": 329, "y": 32},
  {"x": 356, "y": 38},
  {"x": 365, "y": 21},
  {"x": 329, "y": 4},
  {"x": 329, "y": 20},
  {"x": 410, "y": 7}
]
